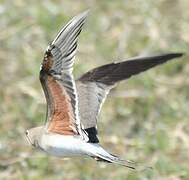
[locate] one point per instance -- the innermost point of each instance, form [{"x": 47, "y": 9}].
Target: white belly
[
  {"x": 64, "y": 146},
  {"x": 68, "y": 146}
]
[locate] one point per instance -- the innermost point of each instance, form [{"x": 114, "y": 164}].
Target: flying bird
[{"x": 73, "y": 106}]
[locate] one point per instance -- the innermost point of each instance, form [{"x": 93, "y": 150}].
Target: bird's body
[
  {"x": 64, "y": 145},
  {"x": 73, "y": 106},
  {"x": 68, "y": 146}
]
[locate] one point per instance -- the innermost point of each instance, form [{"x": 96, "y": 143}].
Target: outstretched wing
[
  {"x": 57, "y": 79},
  {"x": 94, "y": 85}
]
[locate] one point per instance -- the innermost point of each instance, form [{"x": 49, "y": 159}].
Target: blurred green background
[{"x": 145, "y": 119}]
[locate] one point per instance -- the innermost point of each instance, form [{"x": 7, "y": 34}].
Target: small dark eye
[{"x": 27, "y": 132}]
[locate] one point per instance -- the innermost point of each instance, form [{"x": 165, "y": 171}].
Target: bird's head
[{"x": 33, "y": 135}]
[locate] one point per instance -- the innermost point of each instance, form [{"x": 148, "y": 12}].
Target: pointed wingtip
[
  {"x": 78, "y": 20},
  {"x": 84, "y": 14},
  {"x": 173, "y": 55},
  {"x": 168, "y": 56},
  {"x": 87, "y": 11}
]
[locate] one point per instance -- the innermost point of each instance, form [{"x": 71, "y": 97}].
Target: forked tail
[
  {"x": 97, "y": 152},
  {"x": 127, "y": 163}
]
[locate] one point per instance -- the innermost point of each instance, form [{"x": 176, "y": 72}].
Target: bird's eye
[{"x": 27, "y": 132}]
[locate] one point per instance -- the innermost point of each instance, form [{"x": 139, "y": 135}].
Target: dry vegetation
[{"x": 145, "y": 119}]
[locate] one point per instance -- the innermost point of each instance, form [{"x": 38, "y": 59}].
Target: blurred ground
[{"x": 144, "y": 119}]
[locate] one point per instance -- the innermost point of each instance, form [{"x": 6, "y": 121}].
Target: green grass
[{"x": 144, "y": 119}]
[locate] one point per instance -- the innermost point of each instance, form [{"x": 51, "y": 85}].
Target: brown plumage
[
  {"x": 62, "y": 118},
  {"x": 58, "y": 83}
]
